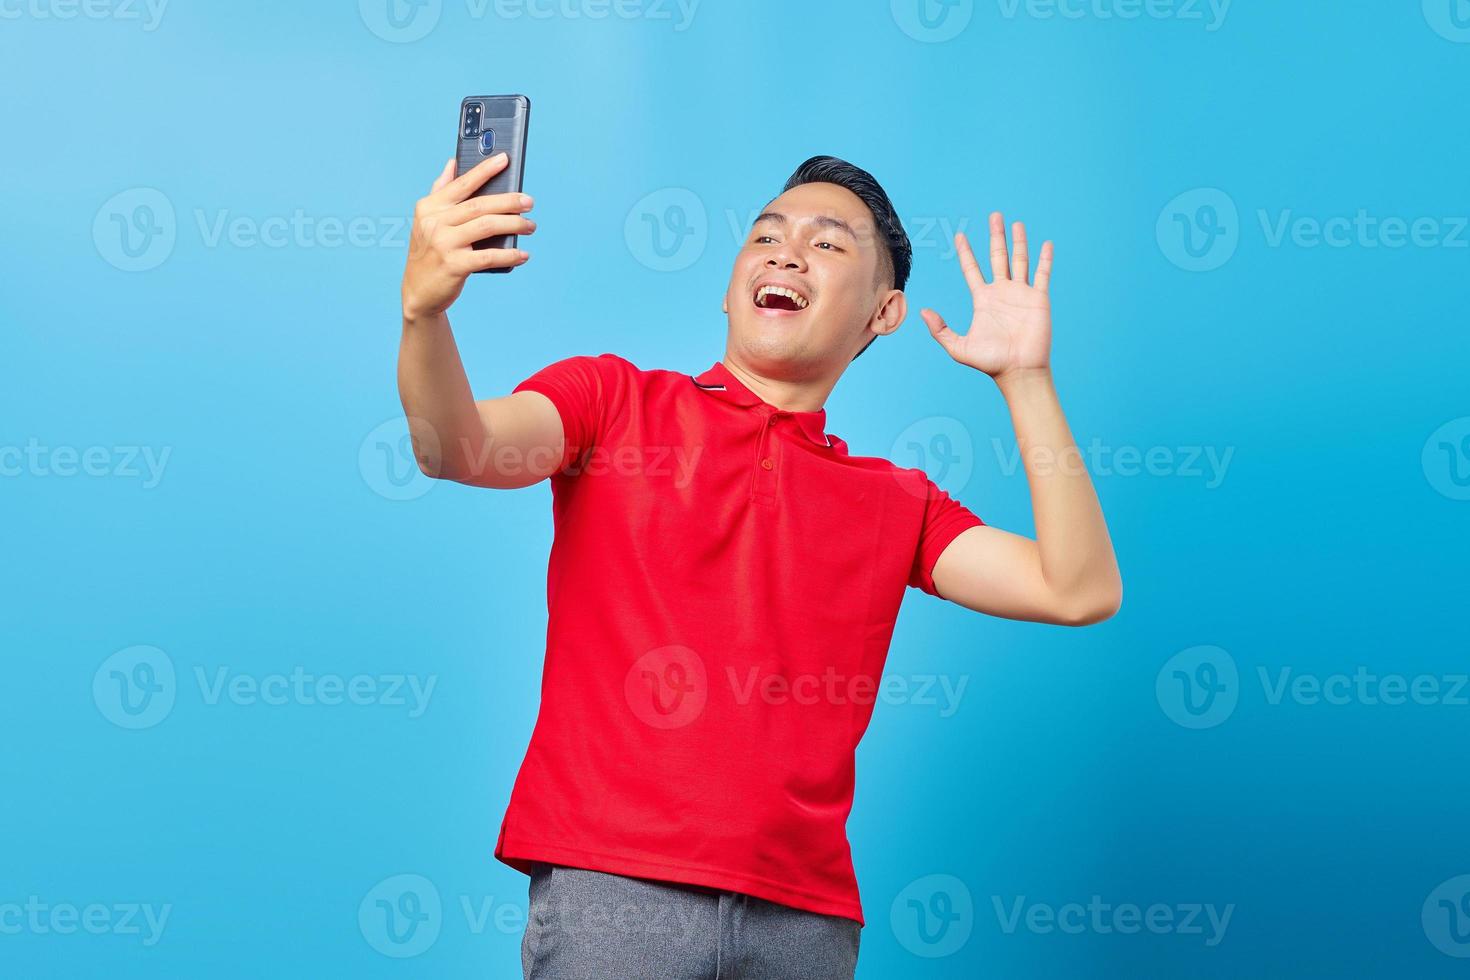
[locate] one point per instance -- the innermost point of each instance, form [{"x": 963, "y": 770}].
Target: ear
[
  {"x": 725, "y": 305},
  {"x": 892, "y": 308}
]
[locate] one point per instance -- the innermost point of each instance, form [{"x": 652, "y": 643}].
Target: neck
[{"x": 789, "y": 396}]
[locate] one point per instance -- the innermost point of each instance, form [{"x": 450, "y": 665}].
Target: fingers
[
  {"x": 473, "y": 179},
  {"x": 1020, "y": 258},
  {"x": 1043, "y": 267},
  {"x": 1000, "y": 267},
  {"x": 475, "y": 207},
  {"x": 478, "y": 260},
  {"x": 968, "y": 264},
  {"x": 445, "y": 176},
  {"x": 939, "y": 330},
  {"x": 490, "y": 225}
]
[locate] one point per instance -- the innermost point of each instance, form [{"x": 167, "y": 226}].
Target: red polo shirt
[{"x": 722, "y": 589}]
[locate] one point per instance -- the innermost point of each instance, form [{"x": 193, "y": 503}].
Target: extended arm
[
  {"x": 504, "y": 443},
  {"x": 1068, "y": 574}
]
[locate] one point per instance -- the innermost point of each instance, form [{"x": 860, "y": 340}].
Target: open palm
[{"x": 1011, "y": 326}]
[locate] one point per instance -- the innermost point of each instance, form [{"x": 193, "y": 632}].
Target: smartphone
[{"x": 491, "y": 124}]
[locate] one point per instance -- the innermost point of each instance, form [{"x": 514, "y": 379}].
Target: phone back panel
[{"x": 508, "y": 118}]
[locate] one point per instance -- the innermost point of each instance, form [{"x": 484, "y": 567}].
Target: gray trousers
[{"x": 587, "y": 925}]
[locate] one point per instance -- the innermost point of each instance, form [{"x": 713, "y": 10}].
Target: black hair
[{"x": 831, "y": 170}]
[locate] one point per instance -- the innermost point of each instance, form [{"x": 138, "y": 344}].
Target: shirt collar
[{"x": 720, "y": 382}]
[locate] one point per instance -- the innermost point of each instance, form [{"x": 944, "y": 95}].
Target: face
[{"x": 810, "y": 286}]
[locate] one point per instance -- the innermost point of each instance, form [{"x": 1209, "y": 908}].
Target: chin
[{"x": 771, "y": 352}]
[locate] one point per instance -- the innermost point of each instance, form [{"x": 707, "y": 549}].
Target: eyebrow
[{"x": 821, "y": 221}]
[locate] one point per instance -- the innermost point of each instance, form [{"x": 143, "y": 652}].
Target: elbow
[
  {"x": 432, "y": 461},
  {"x": 1092, "y": 608},
  {"x": 426, "y": 448},
  {"x": 431, "y": 465},
  {"x": 438, "y": 468}
]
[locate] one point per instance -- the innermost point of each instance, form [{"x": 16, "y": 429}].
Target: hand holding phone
[
  {"x": 448, "y": 225},
  {"x": 490, "y": 124}
]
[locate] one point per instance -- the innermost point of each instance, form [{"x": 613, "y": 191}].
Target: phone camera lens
[{"x": 472, "y": 120}]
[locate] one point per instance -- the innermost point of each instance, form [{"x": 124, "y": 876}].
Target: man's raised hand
[
  {"x": 1010, "y": 330},
  {"x": 446, "y": 224}
]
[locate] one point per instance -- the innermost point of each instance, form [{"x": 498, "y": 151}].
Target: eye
[{"x": 828, "y": 246}]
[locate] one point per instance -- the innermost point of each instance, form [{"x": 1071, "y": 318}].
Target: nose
[{"x": 787, "y": 256}]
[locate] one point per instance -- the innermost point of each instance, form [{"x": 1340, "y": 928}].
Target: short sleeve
[
  {"x": 585, "y": 391},
  {"x": 944, "y": 519}
]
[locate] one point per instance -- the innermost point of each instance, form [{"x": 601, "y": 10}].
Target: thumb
[{"x": 947, "y": 338}]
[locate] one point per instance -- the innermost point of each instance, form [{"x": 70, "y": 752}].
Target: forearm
[
  {"x": 448, "y": 432},
  {"x": 450, "y": 436},
  {"x": 1073, "y": 547}
]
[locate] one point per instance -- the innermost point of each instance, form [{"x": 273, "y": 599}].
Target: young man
[{"x": 725, "y": 576}]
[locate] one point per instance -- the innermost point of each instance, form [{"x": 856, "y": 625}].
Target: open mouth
[{"x": 781, "y": 298}]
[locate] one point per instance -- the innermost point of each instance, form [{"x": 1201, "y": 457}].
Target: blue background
[{"x": 273, "y": 540}]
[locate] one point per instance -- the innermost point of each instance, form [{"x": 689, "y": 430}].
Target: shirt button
[
  {"x": 766, "y": 463},
  {"x": 771, "y": 420}
]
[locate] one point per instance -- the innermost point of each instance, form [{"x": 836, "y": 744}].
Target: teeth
[{"x": 764, "y": 291}]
